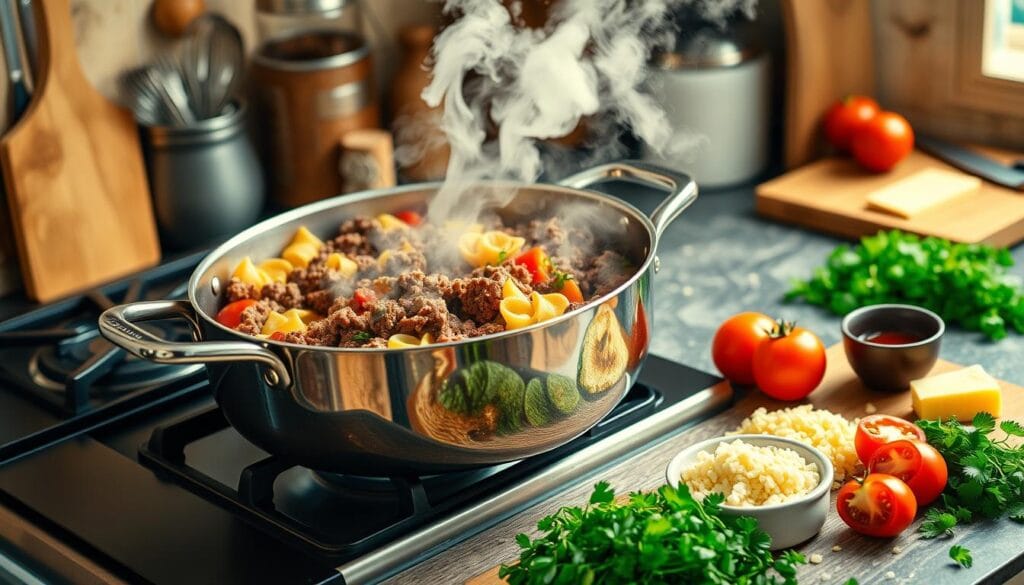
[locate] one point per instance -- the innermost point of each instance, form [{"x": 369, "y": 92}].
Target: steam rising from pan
[{"x": 530, "y": 85}]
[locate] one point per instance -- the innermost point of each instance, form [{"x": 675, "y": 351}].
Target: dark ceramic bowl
[{"x": 887, "y": 367}]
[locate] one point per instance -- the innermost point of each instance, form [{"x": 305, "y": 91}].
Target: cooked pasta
[
  {"x": 288, "y": 322},
  {"x": 276, "y": 269},
  {"x": 248, "y": 273},
  {"x": 400, "y": 340},
  {"x": 344, "y": 265},
  {"x": 389, "y": 222},
  {"x": 493, "y": 247},
  {"x": 303, "y": 248},
  {"x": 520, "y": 310}
]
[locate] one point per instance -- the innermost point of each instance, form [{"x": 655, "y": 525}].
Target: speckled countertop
[{"x": 720, "y": 258}]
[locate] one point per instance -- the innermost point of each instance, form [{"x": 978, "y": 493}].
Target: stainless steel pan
[{"x": 380, "y": 412}]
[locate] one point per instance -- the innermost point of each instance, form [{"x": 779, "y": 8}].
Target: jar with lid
[{"x": 312, "y": 82}]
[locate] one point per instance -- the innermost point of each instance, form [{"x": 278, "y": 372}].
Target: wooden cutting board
[
  {"x": 829, "y": 196},
  {"x": 73, "y": 168},
  {"x": 840, "y": 391}
]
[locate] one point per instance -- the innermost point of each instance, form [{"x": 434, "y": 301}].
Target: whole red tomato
[
  {"x": 733, "y": 347},
  {"x": 881, "y": 505},
  {"x": 846, "y": 116},
  {"x": 918, "y": 464},
  {"x": 790, "y": 363},
  {"x": 876, "y": 430},
  {"x": 882, "y": 142}
]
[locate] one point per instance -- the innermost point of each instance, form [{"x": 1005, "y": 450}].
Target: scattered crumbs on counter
[
  {"x": 816, "y": 559},
  {"x": 837, "y": 548},
  {"x": 890, "y": 575},
  {"x": 754, "y": 279},
  {"x": 688, "y": 291},
  {"x": 826, "y": 576},
  {"x": 836, "y": 485},
  {"x": 897, "y": 550},
  {"x": 875, "y": 563},
  {"x": 870, "y": 408}
]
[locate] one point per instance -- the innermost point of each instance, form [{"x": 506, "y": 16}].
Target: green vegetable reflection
[
  {"x": 488, "y": 386},
  {"x": 967, "y": 284},
  {"x": 661, "y": 537}
]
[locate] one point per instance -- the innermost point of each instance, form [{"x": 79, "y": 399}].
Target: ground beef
[
  {"x": 282, "y": 296},
  {"x": 417, "y": 288},
  {"x": 253, "y": 318},
  {"x": 606, "y": 272},
  {"x": 238, "y": 290},
  {"x": 478, "y": 297}
]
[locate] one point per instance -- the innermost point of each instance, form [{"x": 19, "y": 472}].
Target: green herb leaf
[
  {"x": 984, "y": 423},
  {"x": 502, "y": 256},
  {"x": 937, "y": 523},
  {"x": 362, "y": 336},
  {"x": 968, "y": 284},
  {"x": 961, "y": 556},
  {"x": 851, "y": 581},
  {"x": 1012, "y": 428},
  {"x": 665, "y": 536}
]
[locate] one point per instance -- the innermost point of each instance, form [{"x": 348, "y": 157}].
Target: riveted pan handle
[
  {"x": 681, "y": 187},
  {"x": 118, "y": 324}
]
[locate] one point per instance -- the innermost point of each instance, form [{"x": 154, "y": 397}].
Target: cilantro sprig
[
  {"x": 967, "y": 284},
  {"x": 665, "y": 536},
  {"x": 986, "y": 475},
  {"x": 961, "y": 555}
]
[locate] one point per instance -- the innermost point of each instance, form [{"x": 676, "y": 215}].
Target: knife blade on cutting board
[
  {"x": 969, "y": 161},
  {"x": 74, "y": 175}
]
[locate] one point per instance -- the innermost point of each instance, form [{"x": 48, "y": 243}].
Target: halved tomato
[
  {"x": 537, "y": 262},
  {"x": 878, "y": 429},
  {"x": 410, "y": 217},
  {"x": 231, "y": 314},
  {"x": 918, "y": 464},
  {"x": 882, "y": 505}
]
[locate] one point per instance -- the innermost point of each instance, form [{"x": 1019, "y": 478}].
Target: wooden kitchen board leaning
[
  {"x": 865, "y": 558},
  {"x": 829, "y": 195},
  {"x": 76, "y": 183}
]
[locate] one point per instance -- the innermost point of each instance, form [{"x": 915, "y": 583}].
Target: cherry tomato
[
  {"x": 733, "y": 347},
  {"x": 790, "y": 364},
  {"x": 846, "y": 116},
  {"x": 410, "y": 217},
  {"x": 361, "y": 298},
  {"x": 918, "y": 464},
  {"x": 537, "y": 262},
  {"x": 882, "y": 505},
  {"x": 878, "y": 429},
  {"x": 277, "y": 336},
  {"x": 231, "y": 314},
  {"x": 884, "y": 141}
]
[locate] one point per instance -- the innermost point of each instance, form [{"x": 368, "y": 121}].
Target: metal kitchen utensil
[
  {"x": 206, "y": 178},
  {"x": 212, "y": 60},
  {"x": 19, "y": 91},
  {"x": 29, "y": 38},
  {"x": 1011, "y": 176},
  {"x": 374, "y": 411}
]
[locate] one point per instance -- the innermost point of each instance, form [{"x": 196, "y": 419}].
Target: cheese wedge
[
  {"x": 960, "y": 394},
  {"x": 922, "y": 191}
]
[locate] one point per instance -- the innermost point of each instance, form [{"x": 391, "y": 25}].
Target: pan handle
[
  {"x": 681, "y": 187},
  {"x": 118, "y": 324}
]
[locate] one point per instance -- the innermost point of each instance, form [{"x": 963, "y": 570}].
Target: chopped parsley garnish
[
  {"x": 961, "y": 555},
  {"x": 362, "y": 336}
]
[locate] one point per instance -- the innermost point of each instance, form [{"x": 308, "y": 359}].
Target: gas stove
[{"x": 111, "y": 470}]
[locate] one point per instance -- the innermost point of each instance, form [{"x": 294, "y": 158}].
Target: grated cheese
[
  {"x": 827, "y": 431},
  {"x": 750, "y": 475}
]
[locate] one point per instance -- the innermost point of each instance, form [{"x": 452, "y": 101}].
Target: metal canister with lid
[
  {"x": 714, "y": 86},
  {"x": 312, "y": 77}
]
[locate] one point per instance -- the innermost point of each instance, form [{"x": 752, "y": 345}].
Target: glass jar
[{"x": 285, "y": 19}]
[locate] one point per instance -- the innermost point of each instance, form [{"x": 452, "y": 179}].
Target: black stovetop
[{"x": 158, "y": 495}]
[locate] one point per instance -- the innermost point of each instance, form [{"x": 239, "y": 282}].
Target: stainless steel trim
[
  {"x": 682, "y": 188},
  {"x": 118, "y": 325},
  {"x": 360, "y": 51},
  {"x": 405, "y": 552},
  {"x": 301, "y": 7}
]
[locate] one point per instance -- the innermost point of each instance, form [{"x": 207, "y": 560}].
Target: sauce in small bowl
[{"x": 890, "y": 345}]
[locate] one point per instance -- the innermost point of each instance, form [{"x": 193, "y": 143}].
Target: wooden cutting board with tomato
[{"x": 844, "y": 553}]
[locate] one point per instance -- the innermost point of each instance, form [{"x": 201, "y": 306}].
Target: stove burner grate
[{"x": 342, "y": 516}]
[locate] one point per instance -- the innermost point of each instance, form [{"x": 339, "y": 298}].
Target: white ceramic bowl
[{"x": 789, "y": 523}]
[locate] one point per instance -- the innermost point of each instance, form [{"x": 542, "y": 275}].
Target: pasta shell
[
  {"x": 301, "y": 253},
  {"x": 509, "y": 290},
  {"x": 304, "y": 236},
  {"x": 287, "y": 323},
  {"x": 248, "y": 273},
  {"x": 517, "y": 312},
  {"x": 277, "y": 269},
  {"x": 343, "y": 264},
  {"x": 400, "y": 340}
]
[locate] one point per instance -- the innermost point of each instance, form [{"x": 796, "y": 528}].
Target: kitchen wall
[{"x": 113, "y": 35}]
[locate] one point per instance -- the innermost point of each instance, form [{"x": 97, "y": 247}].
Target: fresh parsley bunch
[
  {"x": 654, "y": 538},
  {"x": 967, "y": 284},
  {"x": 986, "y": 474}
]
